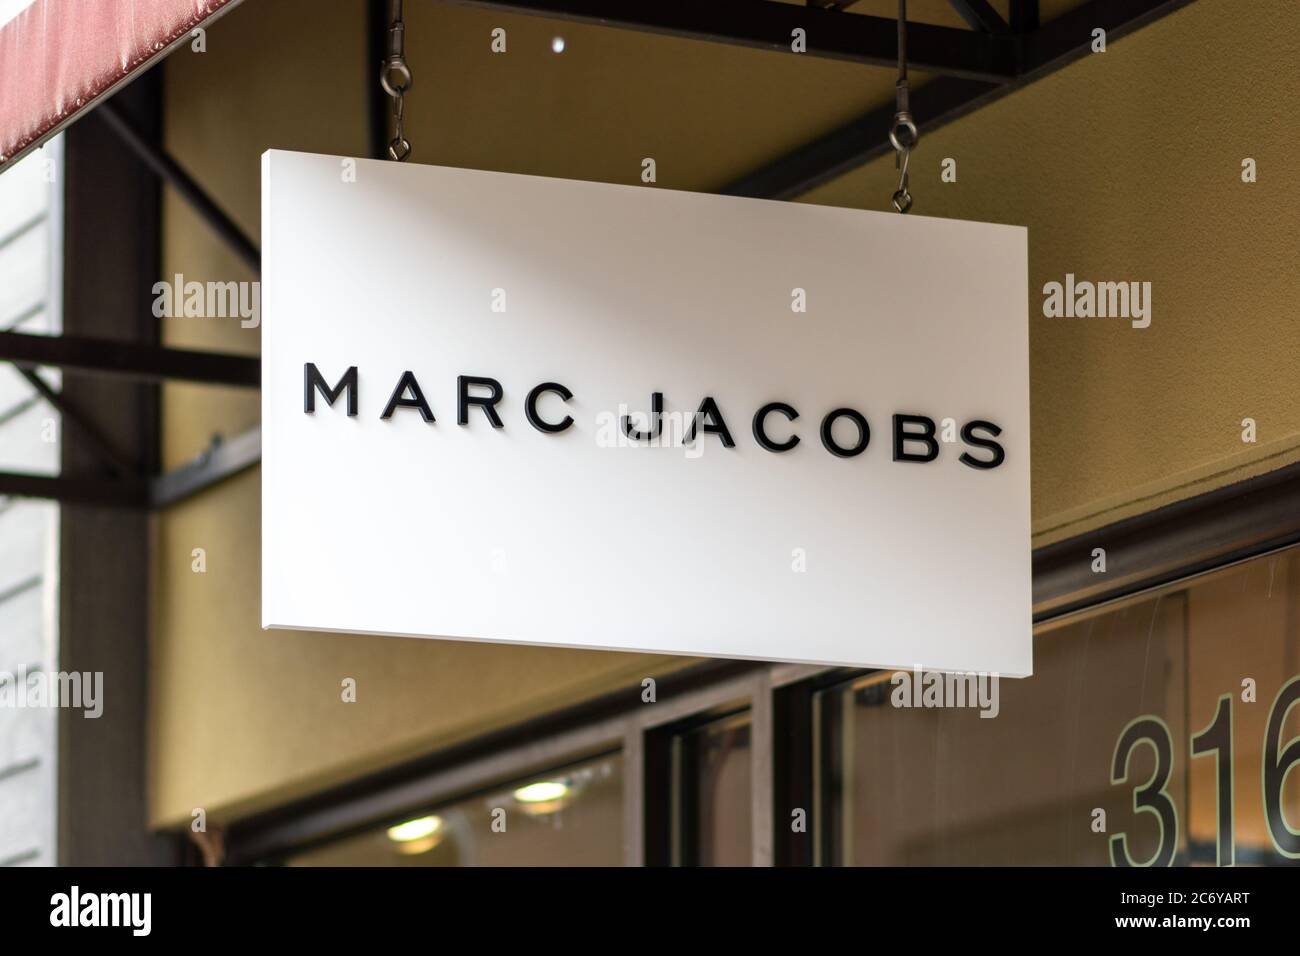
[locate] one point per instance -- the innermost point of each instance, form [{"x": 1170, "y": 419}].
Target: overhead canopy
[{"x": 58, "y": 56}]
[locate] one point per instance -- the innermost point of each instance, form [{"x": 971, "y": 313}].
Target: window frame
[{"x": 671, "y": 830}]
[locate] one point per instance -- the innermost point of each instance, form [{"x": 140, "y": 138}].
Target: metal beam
[
  {"x": 845, "y": 149},
  {"x": 13, "y": 411},
  {"x": 126, "y": 359},
  {"x": 224, "y": 459},
  {"x": 980, "y": 15},
  {"x": 115, "y": 460},
  {"x": 167, "y": 169},
  {"x": 111, "y": 246},
  {"x": 1023, "y": 15},
  {"x": 944, "y": 99},
  {"x": 26, "y": 315},
  {"x": 21, "y": 230},
  {"x": 766, "y": 25},
  {"x": 1060, "y": 42},
  {"x": 378, "y": 103},
  {"x": 86, "y": 491}
]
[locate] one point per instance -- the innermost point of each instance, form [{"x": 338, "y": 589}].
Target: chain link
[
  {"x": 395, "y": 78},
  {"x": 903, "y": 134}
]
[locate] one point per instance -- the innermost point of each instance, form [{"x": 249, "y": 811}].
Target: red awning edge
[{"x": 58, "y": 56}]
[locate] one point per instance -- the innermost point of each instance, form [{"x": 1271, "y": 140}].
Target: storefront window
[
  {"x": 1161, "y": 729},
  {"x": 30, "y": 284},
  {"x": 568, "y": 817},
  {"x": 712, "y": 769}
]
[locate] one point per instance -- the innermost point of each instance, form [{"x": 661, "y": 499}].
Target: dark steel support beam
[
  {"x": 1023, "y": 16},
  {"x": 21, "y": 230},
  {"x": 118, "y": 463},
  {"x": 1060, "y": 42},
  {"x": 224, "y": 459},
  {"x": 168, "y": 170},
  {"x": 81, "y": 491},
  {"x": 26, "y": 315},
  {"x": 944, "y": 99},
  {"x": 111, "y": 258},
  {"x": 146, "y": 363},
  {"x": 841, "y": 151},
  {"x": 980, "y": 15},
  {"x": 766, "y": 25},
  {"x": 13, "y": 411},
  {"x": 378, "y": 103}
]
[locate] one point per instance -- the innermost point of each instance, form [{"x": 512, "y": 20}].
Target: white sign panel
[{"x": 511, "y": 408}]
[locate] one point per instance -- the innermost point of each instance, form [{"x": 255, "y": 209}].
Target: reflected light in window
[
  {"x": 413, "y": 830},
  {"x": 545, "y": 796},
  {"x": 544, "y": 791}
]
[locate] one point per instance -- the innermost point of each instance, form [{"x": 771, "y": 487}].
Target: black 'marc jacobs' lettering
[
  {"x": 487, "y": 402},
  {"x": 712, "y": 423},
  {"x": 903, "y": 435},
  {"x": 398, "y": 399},
  {"x": 760, "y": 422},
  {"x": 656, "y": 420},
  {"x": 312, "y": 380},
  {"x": 828, "y": 436},
  {"x": 534, "y": 417},
  {"x": 997, "y": 453}
]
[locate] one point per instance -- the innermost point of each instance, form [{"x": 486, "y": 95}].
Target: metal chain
[
  {"x": 903, "y": 134},
  {"x": 395, "y": 78}
]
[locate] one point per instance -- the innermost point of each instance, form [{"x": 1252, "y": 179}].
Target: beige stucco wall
[{"x": 1125, "y": 165}]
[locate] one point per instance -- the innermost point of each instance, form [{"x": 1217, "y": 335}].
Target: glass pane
[
  {"x": 1112, "y": 689},
  {"x": 714, "y": 820},
  {"x": 30, "y": 284},
  {"x": 569, "y": 817}
]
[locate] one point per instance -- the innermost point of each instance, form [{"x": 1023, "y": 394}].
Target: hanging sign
[{"x": 511, "y": 408}]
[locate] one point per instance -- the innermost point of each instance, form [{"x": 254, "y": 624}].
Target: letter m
[
  {"x": 313, "y": 380},
  {"x": 1114, "y": 295}
]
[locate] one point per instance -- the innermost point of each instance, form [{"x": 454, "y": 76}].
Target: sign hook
[
  {"x": 903, "y": 134},
  {"x": 395, "y": 78}
]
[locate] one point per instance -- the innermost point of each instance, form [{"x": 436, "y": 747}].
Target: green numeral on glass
[
  {"x": 1217, "y": 739},
  {"x": 1276, "y": 767},
  {"x": 1151, "y": 796}
]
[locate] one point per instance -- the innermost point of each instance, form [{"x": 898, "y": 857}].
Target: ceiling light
[
  {"x": 416, "y": 829},
  {"x": 544, "y": 791}
]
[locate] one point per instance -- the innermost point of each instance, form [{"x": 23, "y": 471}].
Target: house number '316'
[{"x": 1153, "y": 797}]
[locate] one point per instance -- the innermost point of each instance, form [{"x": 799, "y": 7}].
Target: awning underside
[{"x": 58, "y": 56}]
